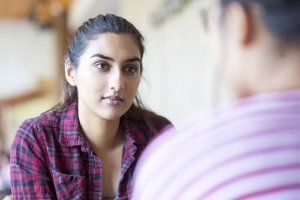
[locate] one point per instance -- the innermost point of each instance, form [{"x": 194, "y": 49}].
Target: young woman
[{"x": 88, "y": 145}]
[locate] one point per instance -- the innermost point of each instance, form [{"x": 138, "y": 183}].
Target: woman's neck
[{"x": 103, "y": 135}]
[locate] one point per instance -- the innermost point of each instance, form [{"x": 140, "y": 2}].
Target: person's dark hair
[
  {"x": 281, "y": 17},
  {"x": 89, "y": 31}
]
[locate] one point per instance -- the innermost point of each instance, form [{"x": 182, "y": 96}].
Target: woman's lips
[{"x": 113, "y": 100}]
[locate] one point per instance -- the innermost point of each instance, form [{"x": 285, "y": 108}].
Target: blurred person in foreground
[
  {"x": 251, "y": 149},
  {"x": 88, "y": 145}
]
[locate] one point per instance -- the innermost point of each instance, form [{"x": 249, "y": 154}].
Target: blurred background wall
[
  {"x": 178, "y": 67},
  {"x": 180, "y": 78}
]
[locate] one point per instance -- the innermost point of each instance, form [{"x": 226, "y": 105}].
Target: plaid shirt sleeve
[{"x": 29, "y": 172}]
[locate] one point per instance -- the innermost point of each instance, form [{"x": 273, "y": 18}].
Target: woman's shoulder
[
  {"x": 146, "y": 124},
  {"x": 37, "y": 124},
  {"x": 49, "y": 118},
  {"x": 160, "y": 122}
]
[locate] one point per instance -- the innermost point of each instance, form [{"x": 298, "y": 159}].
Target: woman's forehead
[{"x": 113, "y": 45}]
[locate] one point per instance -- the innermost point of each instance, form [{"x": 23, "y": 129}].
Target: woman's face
[{"x": 107, "y": 76}]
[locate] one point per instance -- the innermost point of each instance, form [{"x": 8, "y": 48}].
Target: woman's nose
[{"x": 116, "y": 81}]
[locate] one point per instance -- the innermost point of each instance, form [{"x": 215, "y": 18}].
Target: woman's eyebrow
[
  {"x": 133, "y": 59},
  {"x": 102, "y": 56}
]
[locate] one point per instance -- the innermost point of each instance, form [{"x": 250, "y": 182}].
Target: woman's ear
[
  {"x": 70, "y": 73},
  {"x": 242, "y": 26}
]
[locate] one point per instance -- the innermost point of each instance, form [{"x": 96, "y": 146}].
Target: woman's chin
[{"x": 112, "y": 115}]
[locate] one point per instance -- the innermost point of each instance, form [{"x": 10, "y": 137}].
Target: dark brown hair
[{"x": 281, "y": 17}]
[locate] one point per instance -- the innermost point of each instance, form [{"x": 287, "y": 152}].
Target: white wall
[
  {"x": 81, "y": 11},
  {"x": 27, "y": 53},
  {"x": 177, "y": 63}
]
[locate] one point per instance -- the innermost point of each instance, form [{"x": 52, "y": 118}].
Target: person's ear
[
  {"x": 241, "y": 26},
  {"x": 70, "y": 73}
]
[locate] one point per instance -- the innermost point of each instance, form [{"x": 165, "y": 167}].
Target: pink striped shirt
[{"x": 250, "y": 150}]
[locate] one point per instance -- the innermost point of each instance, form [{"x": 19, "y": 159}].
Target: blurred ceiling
[
  {"x": 43, "y": 11},
  {"x": 81, "y": 10}
]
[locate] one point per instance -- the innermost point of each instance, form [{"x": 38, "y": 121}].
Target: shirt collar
[
  {"x": 70, "y": 131},
  {"x": 136, "y": 131}
]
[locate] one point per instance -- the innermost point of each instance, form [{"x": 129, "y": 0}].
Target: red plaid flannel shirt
[{"x": 51, "y": 159}]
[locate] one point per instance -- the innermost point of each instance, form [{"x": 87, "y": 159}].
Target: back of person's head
[
  {"x": 258, "y": 44},
  {"x": 281, "y": 17}
]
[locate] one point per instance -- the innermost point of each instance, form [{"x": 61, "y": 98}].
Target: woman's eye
[
  {"x": 102, "y": 66},
  {"x": 131, "y": 69}
]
